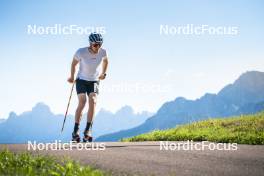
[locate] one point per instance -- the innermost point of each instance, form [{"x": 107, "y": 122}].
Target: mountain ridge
[{"x": 42, "y": 125}]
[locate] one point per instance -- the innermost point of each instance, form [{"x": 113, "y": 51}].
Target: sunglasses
[{"x": 97, "y": 45}]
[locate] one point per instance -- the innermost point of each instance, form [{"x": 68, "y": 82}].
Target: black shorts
[{"x": 83, "y": 86}]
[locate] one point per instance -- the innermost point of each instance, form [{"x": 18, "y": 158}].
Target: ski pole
[{"x": 67, "y": 106}]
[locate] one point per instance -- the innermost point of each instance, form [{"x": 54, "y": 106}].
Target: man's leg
[
  {"x": 90, "y": 115},
  {"x": 78, "y": 114},
  {"x": 92, "y": 104},
  {"x": 81, "y": 104}
]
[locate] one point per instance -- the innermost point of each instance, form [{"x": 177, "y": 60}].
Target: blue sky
[{"x": 34, "y": 68}]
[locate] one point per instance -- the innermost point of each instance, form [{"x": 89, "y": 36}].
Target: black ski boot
[
  {"x": 76, "y": 137},
  {"x": 87, "y": 136}
]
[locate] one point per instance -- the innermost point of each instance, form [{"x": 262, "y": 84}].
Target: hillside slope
[{"x": 244, "y": 129}]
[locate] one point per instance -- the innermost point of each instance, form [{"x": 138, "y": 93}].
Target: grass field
[
  {"x": 27, "y": 164},
  {"x": 244, "y": 129}
]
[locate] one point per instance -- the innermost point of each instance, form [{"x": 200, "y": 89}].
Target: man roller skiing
[{"x": 93, "y": 65}]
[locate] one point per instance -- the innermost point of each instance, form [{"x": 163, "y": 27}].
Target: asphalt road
[{"x": 146, "y": 158}]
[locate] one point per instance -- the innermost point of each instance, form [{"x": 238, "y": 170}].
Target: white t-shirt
[{"x": 90, "y": 64}]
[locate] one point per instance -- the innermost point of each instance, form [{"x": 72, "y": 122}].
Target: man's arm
[
  {"x": 73, "y": 65},
  {"x": 105, "y": 64},
  {"x": 104, "y": 68}
]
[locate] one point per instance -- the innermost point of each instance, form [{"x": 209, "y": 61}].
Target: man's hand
[
  {"x": 71, "y": 80},
  {"x": 102, "y": 76}
]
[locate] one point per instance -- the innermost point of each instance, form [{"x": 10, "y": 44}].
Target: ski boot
[
  {"x": 87, "y": 136},
  {"x": 76, "y": 137}
]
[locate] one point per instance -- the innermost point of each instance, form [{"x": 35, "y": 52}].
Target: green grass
[
  {"x": 244, "y": 129},
  {"x": 27, "y": 164}
]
